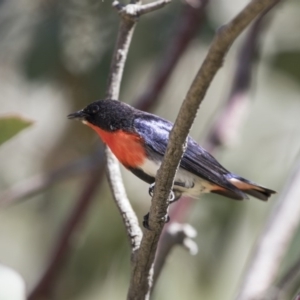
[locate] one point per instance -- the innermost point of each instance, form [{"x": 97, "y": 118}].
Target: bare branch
[
  {"x": 141, "y": 281},
  {"x": 130, "y": 219},
  {"x": 273, "y": 242},
  {"x": 176, "y": 234},
  {"x": 129, "y": 14},
  {"x": 220, "y": 135}
]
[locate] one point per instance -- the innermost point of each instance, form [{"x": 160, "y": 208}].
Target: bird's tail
[{"x": 251, "y": 188}]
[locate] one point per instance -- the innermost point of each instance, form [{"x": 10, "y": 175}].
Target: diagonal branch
[
  {"x": 233, "y": 112},
  {"x": 219, "y": 134},
  {"x": 44, "y": 287},
  {"x": 141, "y": 280},
  {"x": 175, "y": 234},
  {"x": 33, "y": 185}
]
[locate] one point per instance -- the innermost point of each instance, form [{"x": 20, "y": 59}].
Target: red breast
[{"x": 126, "y": 146}]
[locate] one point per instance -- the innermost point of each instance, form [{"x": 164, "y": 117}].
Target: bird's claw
[
  {"x": 151, "y": 192},
  {"x": 151, "y": 189},
  {"x": 171, "y": 197},
  {"x": 166, "y": 219},
  {"x": 146, "y": 222}
]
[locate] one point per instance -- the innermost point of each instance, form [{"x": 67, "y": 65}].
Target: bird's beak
[{"x": 79, "y": 115}]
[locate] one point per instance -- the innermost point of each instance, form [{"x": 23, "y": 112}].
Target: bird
[{"x": 139, "y": 141}]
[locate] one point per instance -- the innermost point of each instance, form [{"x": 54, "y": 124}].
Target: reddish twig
[
  {"x": 189, "y": 23},
  {"x": 175, "y": 234},
  {"x": 33, "y": 185},
  {"x": 224, "y": 131},
  {"x": 45, "y": 286}
]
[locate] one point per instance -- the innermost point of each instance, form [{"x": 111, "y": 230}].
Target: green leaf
[{"x": 10, "y": 125}]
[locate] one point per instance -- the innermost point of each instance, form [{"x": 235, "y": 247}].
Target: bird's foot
[
  {"x": 151, "y": 189},
  {"x": 151, "y": 193},
  {"x": 166, "y": 219},
  {"x": 146, "y": 222}
]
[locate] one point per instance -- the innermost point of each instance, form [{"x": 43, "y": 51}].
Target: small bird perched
[{"x": 139, "y": 141}]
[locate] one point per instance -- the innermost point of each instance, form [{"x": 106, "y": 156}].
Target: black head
[{"x": 107, "y": 114}]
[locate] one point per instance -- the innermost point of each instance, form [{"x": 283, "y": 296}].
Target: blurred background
[{"x": 55, "y": 58}]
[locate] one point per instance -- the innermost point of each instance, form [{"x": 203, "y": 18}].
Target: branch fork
[{"x": 133, "y": 11}]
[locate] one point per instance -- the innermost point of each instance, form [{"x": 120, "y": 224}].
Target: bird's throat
[{"x": 126, "y": 146}]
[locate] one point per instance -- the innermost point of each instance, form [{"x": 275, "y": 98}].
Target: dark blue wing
[{"x": 155, "y": 132}]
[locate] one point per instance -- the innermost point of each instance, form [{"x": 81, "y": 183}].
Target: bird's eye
[{"x": 94, "y": 109}]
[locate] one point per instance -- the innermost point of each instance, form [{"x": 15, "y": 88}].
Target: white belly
[{"x": 193, "y": 185}]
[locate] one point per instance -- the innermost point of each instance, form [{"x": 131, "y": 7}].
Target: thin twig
[
  {"x": 188, "y": 22},
  {"x": 129, "y": 217},
  {"x": 273, "y": 242},
  {"x": 219, "y": 132},
  {"x": 129, "y": 14},
  {"x": 176, "y": 234},
  {"x": 141, "y": 281},
  {"x": 218, "y": 135},
  {"x": 224, "y": 131}
]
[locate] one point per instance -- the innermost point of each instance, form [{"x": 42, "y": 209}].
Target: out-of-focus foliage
[
  {"x": 55, "y": 57},
  {"x": 10, "y": 126}
]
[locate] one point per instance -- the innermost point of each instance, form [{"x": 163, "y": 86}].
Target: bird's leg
[
  {"x": 174, "y": 196},
  {"x": 166, "y": 219}
]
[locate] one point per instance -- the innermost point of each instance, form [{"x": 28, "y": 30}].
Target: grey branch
[
  {"x": 113, "y": 169},
  {"x": 223, "y": 130},
  {"x": 129, "y": 14},
  {"x": 130, "y": 219},
  {"x": 142, "y": 276},
  {"x": 176, "y": 234},
  {"x": 273, "y": 243}
]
